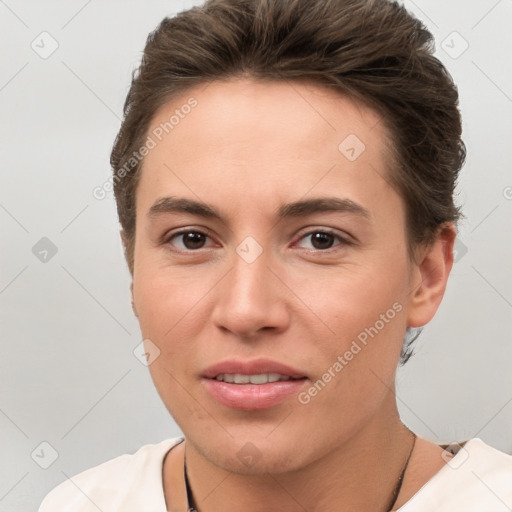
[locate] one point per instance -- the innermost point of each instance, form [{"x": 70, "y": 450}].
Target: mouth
[
  {"x": 260, "y": 378},
  {"x": 252, "y": 385}
]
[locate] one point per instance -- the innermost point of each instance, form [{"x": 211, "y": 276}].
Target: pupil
[
  {"x": 193, "y": 240},
  {"x": 322, "y": 240}
]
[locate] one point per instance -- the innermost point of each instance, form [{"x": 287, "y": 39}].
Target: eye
[
  {"x": 188, "y": 240},
  {"x": 323, "y": 240}
]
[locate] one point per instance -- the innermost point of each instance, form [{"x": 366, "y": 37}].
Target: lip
[{"x": 250, "y": 397}]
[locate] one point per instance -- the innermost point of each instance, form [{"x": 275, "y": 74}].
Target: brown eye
[
  {"x": 189, "y": 240},
  {"x": 322, "y": 240}
]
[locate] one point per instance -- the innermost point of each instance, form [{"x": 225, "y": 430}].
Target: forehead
[
  {"x": 243, "y": 108},
  {"x": 262, "y": 135}
]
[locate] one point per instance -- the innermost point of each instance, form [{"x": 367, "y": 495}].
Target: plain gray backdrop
[{"x": 70, "y": 379}]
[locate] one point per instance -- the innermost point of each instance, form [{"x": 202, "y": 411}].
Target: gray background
[{"x": 69, "y": 375}]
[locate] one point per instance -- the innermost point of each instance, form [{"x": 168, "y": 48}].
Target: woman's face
[{"x": 295, "y": 264}]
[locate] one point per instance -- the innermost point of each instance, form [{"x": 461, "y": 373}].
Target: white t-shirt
[{"x": 477, "y": 479}]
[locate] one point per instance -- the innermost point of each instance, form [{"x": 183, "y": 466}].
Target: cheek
[
  {"x": 357, "y": 363},
  {"x": 364, "y": 311},
  {"x": 169, "y": 316},
  {"x": 350, "y": 299},
  {"x": 166, "y": 299}
]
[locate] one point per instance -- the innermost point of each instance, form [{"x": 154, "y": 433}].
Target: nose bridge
[
  {"x": 250, "y": 272},
  {"x": 249, "y": 285},
  {"x": 249, "y": 297}
]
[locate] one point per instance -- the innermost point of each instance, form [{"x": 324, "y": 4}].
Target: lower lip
[{"x": 251, "y": 397}]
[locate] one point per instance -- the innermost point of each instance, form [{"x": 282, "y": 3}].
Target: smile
[{"x": 261, "y": 378}]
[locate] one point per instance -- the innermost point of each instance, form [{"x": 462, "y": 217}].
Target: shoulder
[
  {"x": 126, "y": 478},
  {"x": 486, "y": 465},
  {"x": 478, "y": 477}
]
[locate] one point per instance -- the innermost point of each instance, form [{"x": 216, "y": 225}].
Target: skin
[{"x": 246, "y": 149}]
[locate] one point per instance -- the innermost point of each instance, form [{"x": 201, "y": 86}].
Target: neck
[{"x": 359, "y": 474}]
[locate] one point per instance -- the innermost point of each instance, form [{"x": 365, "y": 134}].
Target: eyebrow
[{"x": 296, "y": 209}]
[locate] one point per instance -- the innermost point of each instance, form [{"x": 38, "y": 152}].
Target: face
[{"x": 269, "y": 243}]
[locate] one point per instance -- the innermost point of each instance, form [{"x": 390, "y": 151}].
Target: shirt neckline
[{"x": 439, "y": 475}]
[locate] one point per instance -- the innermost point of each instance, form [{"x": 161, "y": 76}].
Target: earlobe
[{"x": 430, "y": 277}]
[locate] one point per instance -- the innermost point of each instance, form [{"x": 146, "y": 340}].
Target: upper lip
[{"x": 251, "y": 367}]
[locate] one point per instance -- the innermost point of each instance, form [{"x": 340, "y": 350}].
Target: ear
[
  {"x": 133, "y": 303},
  {"x": 123, "y": 240},
  {"x": 430, "y": 275}
]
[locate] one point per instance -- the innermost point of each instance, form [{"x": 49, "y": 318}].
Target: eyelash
[{"x": 342, "y": 240}]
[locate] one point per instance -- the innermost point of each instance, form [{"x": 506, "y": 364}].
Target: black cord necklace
[
  {"x": 190, "y": 502},
  {"x": 398, "y": 486},
  {"x": 394, "y": 496}
]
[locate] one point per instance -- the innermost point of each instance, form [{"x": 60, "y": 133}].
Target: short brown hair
[{"x": 372, "y": 50}]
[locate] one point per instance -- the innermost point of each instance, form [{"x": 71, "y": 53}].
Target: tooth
[
  {"x": 259, "y": 379},
  {"x": 241, "y": 379}
]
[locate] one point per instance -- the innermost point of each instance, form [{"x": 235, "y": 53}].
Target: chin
[{"x": 254, "y": 455}]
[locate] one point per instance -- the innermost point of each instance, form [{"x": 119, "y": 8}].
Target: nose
[{"x": 251, "y": 300}]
